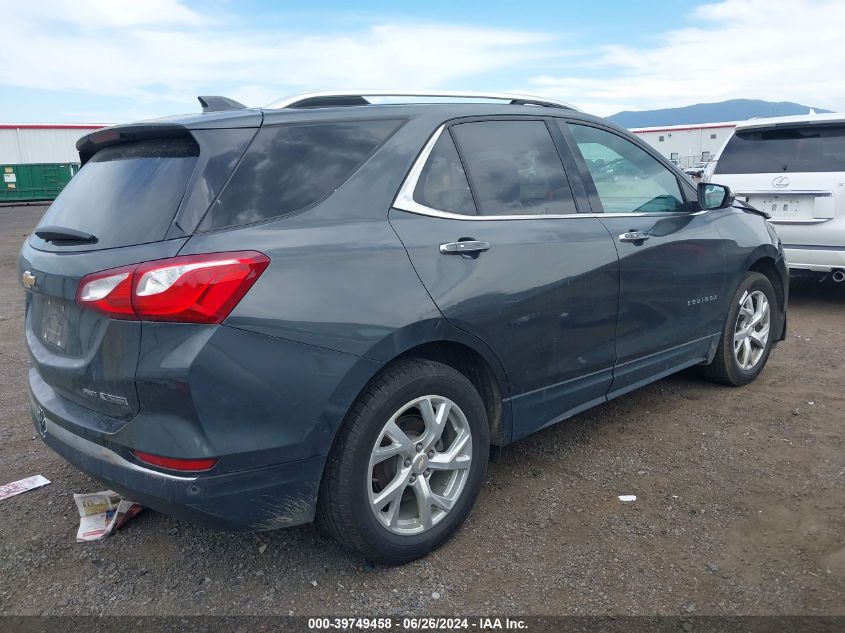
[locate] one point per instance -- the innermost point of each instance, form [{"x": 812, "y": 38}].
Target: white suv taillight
[{"x": 189, "y": 289}]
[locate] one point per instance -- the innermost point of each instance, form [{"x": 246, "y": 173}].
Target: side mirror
[{"x": 712, "y": 196}]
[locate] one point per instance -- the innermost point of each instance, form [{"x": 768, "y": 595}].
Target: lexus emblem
[
  {"x": 28, "y": 279},
  {"x": 780, "y": 181}
]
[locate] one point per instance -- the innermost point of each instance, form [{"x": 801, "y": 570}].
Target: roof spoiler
[
  {"x": 92, "y": 143},
  {"x": 219, "y": 104}
]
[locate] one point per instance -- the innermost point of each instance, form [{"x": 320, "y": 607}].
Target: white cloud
[
  {"x": 169, "y": 53},
  {"x": 90, "y": 15},
  {"x": 162, "y": 53},
  {"x": 779, "y": 50}
]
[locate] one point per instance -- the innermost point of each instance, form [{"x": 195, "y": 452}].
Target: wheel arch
[
  {"x": 438, "y": 340},
  {"x": 478, "y": 370},
  {"x": 767, "y": 265}
]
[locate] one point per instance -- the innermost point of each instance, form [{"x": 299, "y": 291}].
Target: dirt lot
[{"x": 740, "y": 508}]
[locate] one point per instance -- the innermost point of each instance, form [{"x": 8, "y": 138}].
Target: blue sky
[{"x": 120, "y": 60}]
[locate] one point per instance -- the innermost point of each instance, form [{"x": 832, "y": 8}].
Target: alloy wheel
[
  {"x": 419, "y": 465},
  {"x": 751, "y": 334}
]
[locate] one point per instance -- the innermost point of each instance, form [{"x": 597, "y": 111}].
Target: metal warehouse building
[
  {"x": 27, "y": 143},
  {"x": 687, "y": 144},
  {"x": 37, "y": 159}
]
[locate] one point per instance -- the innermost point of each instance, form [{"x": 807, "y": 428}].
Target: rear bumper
[
  {"x": 821, "y": 259},
  {"x": 262, "y": 498},
  {"x": 267, "y": 409}
]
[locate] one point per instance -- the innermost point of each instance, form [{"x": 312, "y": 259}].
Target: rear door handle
[
  {"x": 634, "y": 236},
  {"x": 466, "y": 246}
]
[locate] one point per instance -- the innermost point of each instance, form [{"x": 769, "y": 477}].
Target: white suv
[{"x": 793, "y": 168}]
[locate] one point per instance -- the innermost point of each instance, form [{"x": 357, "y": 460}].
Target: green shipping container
[{"x": 44, "y": 181}]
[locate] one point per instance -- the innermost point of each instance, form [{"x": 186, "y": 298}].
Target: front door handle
[
  {"x": 465, "y": 246},
  {"x": 634, "y": 236}
]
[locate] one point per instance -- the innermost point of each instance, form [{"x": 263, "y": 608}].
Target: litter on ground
[
  {"x": 22, "y": 485},
  {"x": 101, "y": 513}
]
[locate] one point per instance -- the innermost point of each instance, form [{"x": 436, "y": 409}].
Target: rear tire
[
  {"x": 748, "y": 335},
  {"x": 407, "y": 464}
]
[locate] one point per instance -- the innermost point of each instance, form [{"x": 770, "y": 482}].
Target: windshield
[{"x": 804, "y": 148}]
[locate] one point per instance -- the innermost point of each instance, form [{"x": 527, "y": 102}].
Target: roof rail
[{"x": 328, "y": 98}]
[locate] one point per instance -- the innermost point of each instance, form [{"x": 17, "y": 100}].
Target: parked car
[
  {"x": 696, "y": 170},
  {"x": 252, "y": 318},
  {"x": 794, "y": 168}
]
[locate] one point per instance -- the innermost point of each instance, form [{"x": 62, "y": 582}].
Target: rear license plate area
[
  {"x": 783, "y": 206},
  {"x": 54, "y": 326}
]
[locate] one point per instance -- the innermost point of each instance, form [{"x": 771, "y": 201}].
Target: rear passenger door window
[
  {"x": 627, "y": 178},
  {"x": 443, "y": 183},
  {"x": 514, "y": 168}
]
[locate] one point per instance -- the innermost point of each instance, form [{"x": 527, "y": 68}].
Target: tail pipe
[{"x": 838, "y": 276}]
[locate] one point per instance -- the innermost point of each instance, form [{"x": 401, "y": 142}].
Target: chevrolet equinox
[{"x": 330, "y": 309}]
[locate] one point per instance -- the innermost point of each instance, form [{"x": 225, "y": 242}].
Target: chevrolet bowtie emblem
[{"x": 28, "y": 279}]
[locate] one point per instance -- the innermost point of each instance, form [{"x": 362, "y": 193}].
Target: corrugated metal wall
[{"x": 25, "y": 144}]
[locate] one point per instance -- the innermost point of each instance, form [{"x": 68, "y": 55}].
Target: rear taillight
[
  {"x": 109, "y": 292},
  {"x": 188, "y": 289}
]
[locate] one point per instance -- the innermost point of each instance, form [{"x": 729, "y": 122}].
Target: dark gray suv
[{"x": 332, "y": 309}]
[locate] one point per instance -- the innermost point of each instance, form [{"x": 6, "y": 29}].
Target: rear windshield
[
  {"x": 291, "y": 167},
  {"x": 127, "y": 194},
  {"x": 807, "y": 148}
]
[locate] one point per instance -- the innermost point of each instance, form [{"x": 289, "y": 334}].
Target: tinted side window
[
  {"x": 443, "y": 183},
  {"x": 807, "y": 148},
  {"x": 514, "y": 168},
  {"x": 627, "y": 178},
  {"x": 290, "y": 167}
]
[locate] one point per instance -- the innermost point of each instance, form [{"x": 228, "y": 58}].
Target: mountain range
[{"x": 731, "y": 110}]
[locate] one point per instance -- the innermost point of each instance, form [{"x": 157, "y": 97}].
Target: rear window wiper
[{"x": 59, "y": 234}]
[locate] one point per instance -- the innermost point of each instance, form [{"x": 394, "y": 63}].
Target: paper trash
[
  {"x": 627, "y": 497},
  {"x": 22, "y": 485},
  {"x": 101, "y": 513}
]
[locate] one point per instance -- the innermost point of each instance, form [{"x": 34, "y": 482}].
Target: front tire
[
  {"x": 748, "y": 335},
  {"x": 408, "y": 463}
]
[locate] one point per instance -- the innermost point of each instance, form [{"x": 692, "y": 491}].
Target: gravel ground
[{"x": 740, "y": 508}]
